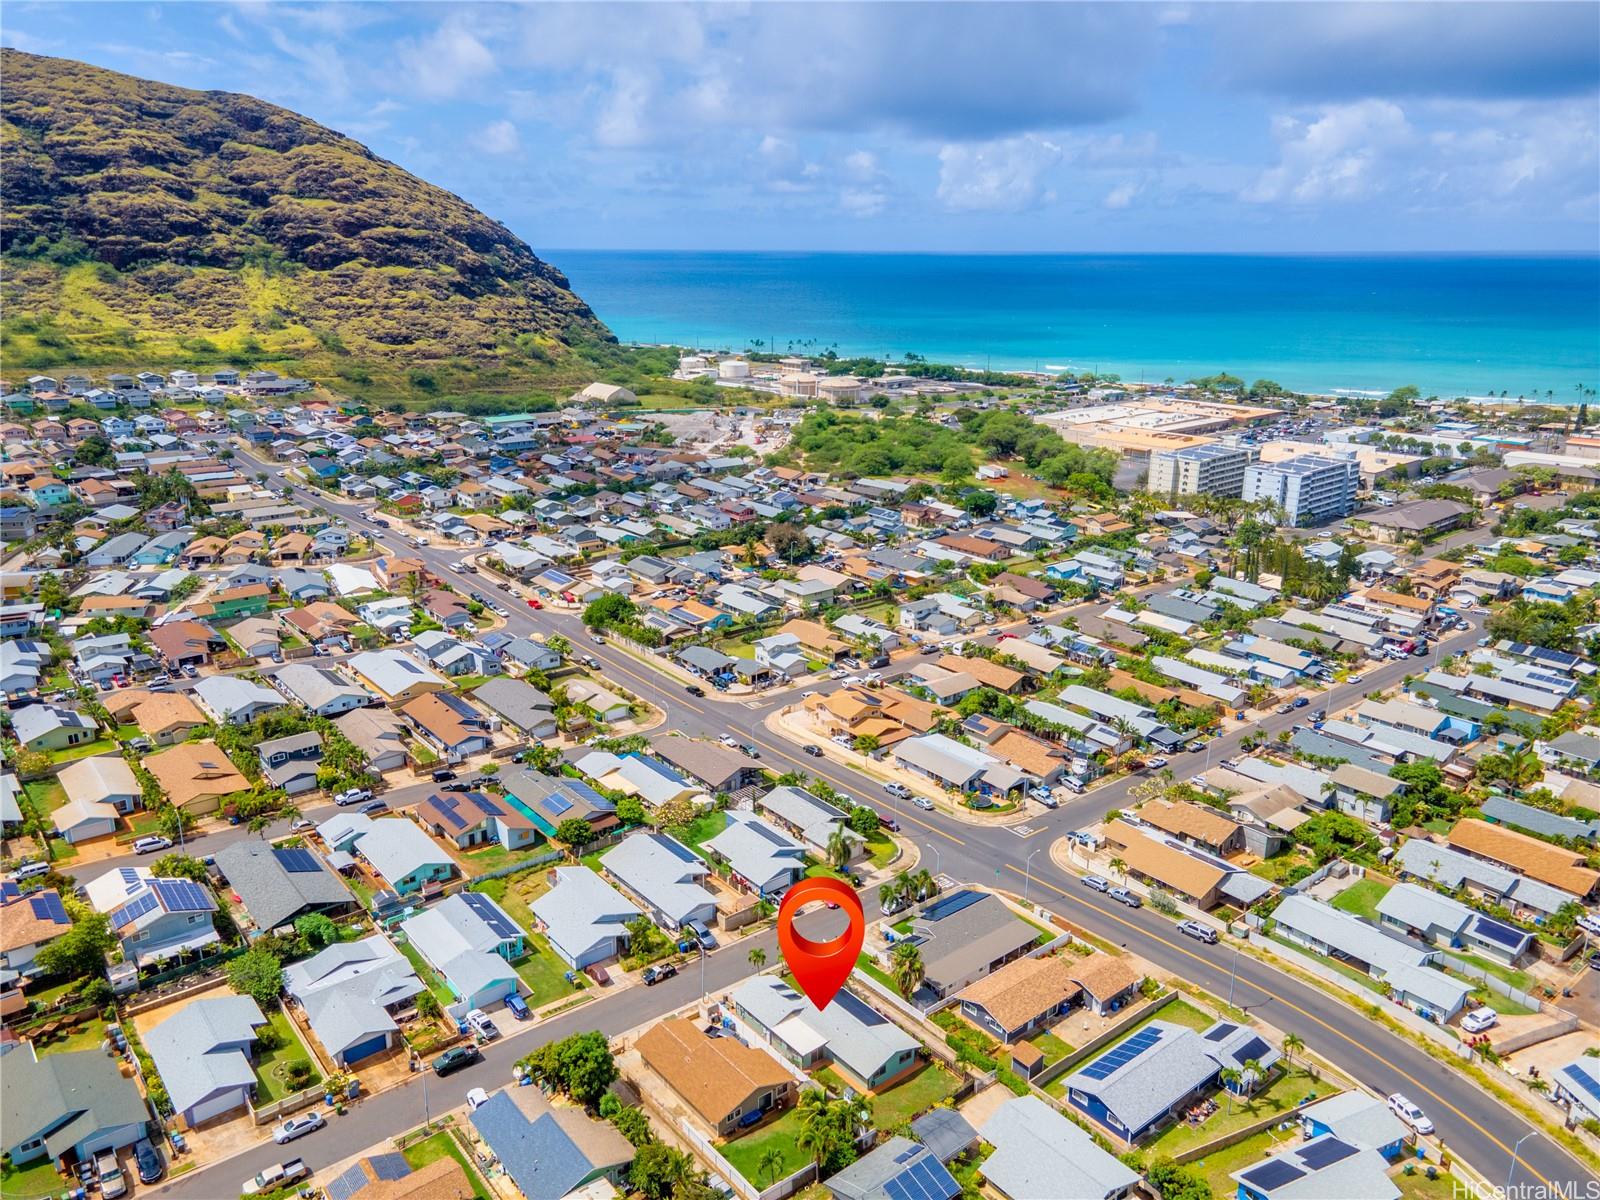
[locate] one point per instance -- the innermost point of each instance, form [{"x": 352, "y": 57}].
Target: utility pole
[{"x": 1027, "y": 873}]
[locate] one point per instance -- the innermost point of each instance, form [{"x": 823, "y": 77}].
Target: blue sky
[{"x": 939, "y": 127}]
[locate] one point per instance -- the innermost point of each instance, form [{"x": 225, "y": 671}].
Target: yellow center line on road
[
  {"x": 1310, "y": 1016},
  {"x": 907, "y": 816}
]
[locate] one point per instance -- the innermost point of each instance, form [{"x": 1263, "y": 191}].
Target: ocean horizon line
[{"x": 1464, "y": 254}]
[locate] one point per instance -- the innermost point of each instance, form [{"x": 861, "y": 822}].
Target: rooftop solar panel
[
  {"x": 182, "y": 895},
  {"x": 1255, "y": 1048},
  {"x": 132, "y": 881},
  {"x": 1121, "y": 1055},
  {"x": 1325, "y": 1153},
  {"x": 491, "y": 915},
  {"x": 347, "y": 1184},
  {"x": 1272, "y": 1174},
  {"x": 389, "y": 1166},
  {"x": 447, "y": 806},
  {"x": 1583, "y": 1081},
  {"x": 9, "y": 891},
  {"x": 47, "y": 906},
  {"x": 485, "y": 804},
  {"x": 1222, "y": 1030},
  {"x": 1494, "y": 931},
  {"x": 557, "y": 803},
  {"x": 133, "y": 910},
  {"x": 297, "y": 861}
]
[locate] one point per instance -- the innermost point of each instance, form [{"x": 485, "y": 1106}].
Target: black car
[
  {"x": 655, "y": 974},
  {"x": 454, "y": 1059},
  {"x": 813, "y": 751},
  {"x": 148, "y": 1160},
  {"x": 457, "y": 786},
  {"x": 443, "y": 774},
  {"x": 694, "y": 689}
]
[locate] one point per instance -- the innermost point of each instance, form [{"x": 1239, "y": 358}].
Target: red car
[{"x": 535, "y": 602}]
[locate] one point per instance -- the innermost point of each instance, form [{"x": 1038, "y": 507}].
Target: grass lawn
[
  {"x": 269, "y": 1063},
  {"x": 144, "y": 821},
  {"x": 47, "y": 795},
  {"x": 1277, "y": 868},
  {"x": 1503, "y": 1005},
  {"x": 431, "y": 1149},
  {"x": 744, "y": 1153},
  {"x": 701, "y": 830},
  {"x": 45, "y": 997},
  {"x": 1285, "y": 1094},
  {"x": 1520, "y": 980},
  {"x": 544, "y": 973},
  {"x": 422, "y": 752},
  {"x": 32, "y": 1182},
  {"x": 465, "y": 683},
  {"x": 1217, "y": 1167},
  {"x": 126, "y": 733},
  {"x": 87, "y": 1036},
  {"x": 362, "y": 892},
  {"x": 101, "y": 745},
  {"x": 915, "y": 1096},
  {"x": 1052, "y": 1047},
  {"x": 1361, "y": 898},
  {"x": 865, "y": 963},
  {"x": 881, "y": 847},
  {"x": 1419, "y": 1187},
  {"x": 516, "y": 893},
  {"x": 427, "y": 974},
  {"x": 496, "y": 857}
]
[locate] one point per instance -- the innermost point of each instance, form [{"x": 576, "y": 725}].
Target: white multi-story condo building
[
  {"x": 1310, "y": 489},
  {"x": 1213, "y": 470}
]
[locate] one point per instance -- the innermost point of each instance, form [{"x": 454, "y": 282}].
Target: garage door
[
  {"x": 364, "y": 1049},
  {"x": 215, "y": 1107}
]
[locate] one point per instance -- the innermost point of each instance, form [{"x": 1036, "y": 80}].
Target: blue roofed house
[
  {"x": 584, "y": 918},
  {"x": 760, "y": 856},
  {"x": 351, "y": 993},
  {"x": 471, "y": 941},
  {"x": 551, "y": 1151},
  {"x": 1141, "y": 1083},
  {"x": 664, "y": 877},
  {"x": 1038, "y": 1152},
  {"x": 867, "y": 1048},
  {"x": 203, "y": 1055},
  {"x": 160, "y": 919}
]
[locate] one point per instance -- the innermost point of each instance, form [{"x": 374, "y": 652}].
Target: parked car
[
  {"x": 1123, "y": 896},
  {"x": 597, "y": 639},
  {"x": 728, "y": 740},
  {"x": 455, "y": 1058},
  {"x": 518, "y": 1007},
  {"x": 702, "y": 935},
  {"x": 898, "y": 789},
  {"x": 1095, "y": 884},
  {"x": 1199, "y": 931},
  {"x": 299, "y": 1126},
  {"x": 1072, "y": 784},
  {"x": 301, "y": 823},
  {"x": 443, "y": 774},
  {"x": 813, "y": 751},
  {"x": 353, "y": 796},
  {"x": 1408, "y": 1112},
  {"x": 148, "y": 1159},
  {"x": 694, "y": 689},
  {"x": 276, "y": 1176},
  {"x": 480, "y": 1023},
  {"x": 888, "y": 822},
  {"x": 923, "y": 803},
  {"x": 1480, "y": 1019},
  {"x": 1301, "y": 702},
  {"x": 1285, "y": 708},
  {"x": 151, "y": 844},
  {"x": 750, "y": 751},
  {"x": 658, "y": 972},
  {"x": 1155, "y": 763},
  {"x": 108, "y": 1170},
  {"x": 373, "y": 807}
]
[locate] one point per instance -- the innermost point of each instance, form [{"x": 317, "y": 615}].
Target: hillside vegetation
[{"x": 152, "y": 225}]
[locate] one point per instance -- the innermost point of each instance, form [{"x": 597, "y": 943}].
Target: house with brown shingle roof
[
  {"x": 167, "y": 717},
  {"x": 1108, "y": 982},
  {"x": 182, "y": 643},
  {"x": 1195, "y": 824},
  {"x": 1158, "y": 863},
  {"x": 1037, "y": 759},
  {"x": 1526, "y": 855},
  {"x": 195, "y": 776},
  {"x": 989, "y": 674},
  {"x": 1022, "y": 997},
  {"x": 720, "y": 1079}
]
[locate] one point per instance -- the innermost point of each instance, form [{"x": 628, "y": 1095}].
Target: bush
[{"x": 298, "y": 1073}]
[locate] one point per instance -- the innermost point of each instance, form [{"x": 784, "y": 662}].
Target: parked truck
[{"x": 276, "y": 1176}]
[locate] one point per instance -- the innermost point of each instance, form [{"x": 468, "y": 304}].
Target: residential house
[
  {"x": 551, "y": 1151},
  {"x": 865, "y": 1047},
  {"x": 584, "y": 918},
  {"x": 663, "y": 876},
  {"x": 203, "y": 1055},
  {"x": 67, "y": 1107},
  {"x": 899, "y": 1167},
  {"x": 351, "y": 993},
  {"x": 472, "y": 942},
  {"x": 277, "y": 885},
  {"x": 1543, "y": 861},
  {"x": 1038, "y": 1152},
  {"x": 965, "y": 935},
  {"x": 291, "y": 762},
  {"x": 45, "y": 727},
  {"x": 158, "y": 919},
  {"x": 521, "y": 704},
  {"x": 470, "y": 819},
  {"x": 321, "y": 691},
  {"x": 396, "y": 677},
  {"x": 232, "y": 700},
  {"x": 759, "y": 855},
  {"x": 377, "y": 733},
  {"x": 551, "y": 800},
  {"x": 1439, "y": 920},
  {"x": 450, "y": 724},
  {"x": 101, "y": 779},
  {"x": 724, "y": 1083},
  {"x": 394, "y": 847},
  {"x": 196, "y": 776},
  {"x": 1359, "y": 1119},
  {"x": 1023, "y": 997},
  {"x": 1324, "y": 1166},
  {"x": 28, "y": 922}
]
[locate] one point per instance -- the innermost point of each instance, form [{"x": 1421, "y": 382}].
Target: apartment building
[{"x": 1310, "y": 489}]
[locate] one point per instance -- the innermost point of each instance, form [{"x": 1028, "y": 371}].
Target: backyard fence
[
  {"x": 1059, "y": 1068},
  {"x": 527, "y": 864},
  {"x": 268, "y": 1113},
  {"x": 1493, "y": 983}
]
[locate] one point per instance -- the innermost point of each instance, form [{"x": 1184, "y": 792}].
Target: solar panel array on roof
[
  {"x": 133, "y": 910},
  {"x": 9, "y": 891},
  {"x": 297, "y": 861},
  {"x": 447, "y": 806},
  {"x": 132, "y": 881},
  {"x": 557, "y": 578},
  {"x": 557, "y": 803},
  {"x": 47, "y": 907},
  {"x": 1255, "y": 1048},
  {"x": 1493, "y": 931},
  {"x": 1325, "y": 1153},
  {"x": 485, "y": 804},
  {"x": 925, "y": 1179},
  {"x": 389, "y": 1166},
  {"x": 182, "y": 895},
  {"x": 1115, "y": 1059},
  {"x": 347, "y": 1184},
  {"x": 950, "y": 905},
  {"x": 1583, "y": 1081},
  {"x": 1272, "y": 1174},
  {"x": 1222, "y": 1030},
  {"x": 492, "y": 916}
]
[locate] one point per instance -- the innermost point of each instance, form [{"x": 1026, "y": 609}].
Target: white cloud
[
  {"x": 1121, "y": 196},
  {"x": 862, "y": 165},
  {"x": 444, "y": 62},
  {"x": 497, "y": 137},
  {"x": 998, "y": 176},
  {"x": 1340, "y": 155},
  {"x": 863, "y": 202}
]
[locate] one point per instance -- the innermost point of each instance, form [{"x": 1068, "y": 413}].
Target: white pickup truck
[{"x": 276, "y": 1176}]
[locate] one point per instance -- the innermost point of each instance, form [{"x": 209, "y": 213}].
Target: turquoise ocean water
[{"x": 1451, "y": 325}]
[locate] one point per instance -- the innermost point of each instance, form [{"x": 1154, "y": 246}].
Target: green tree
[
  {"x": 757, "y": 957},
  {"x": 179, "y": 866},
  {"x": 80, "y": 951},
  {"x": 428, "y": 1006},
  {"x": 575, "y": 832},
  {"x": 632, "y": 1124},
  {"x": 839, "y": 848},
  {"x": 630, "y": 810},
  {"x": 318, "y": 930},
  {"x": 864, "y": 820},
  {"x": 586, "y": 1066},
  {"x": 905, "y": 968},
  {"x": 609, "y": 611},
  {"x": 257, "y": 973},
  {"x": 660, "y": 1172}
]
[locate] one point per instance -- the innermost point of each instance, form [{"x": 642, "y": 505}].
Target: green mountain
[{"x": 146, "y": 224}]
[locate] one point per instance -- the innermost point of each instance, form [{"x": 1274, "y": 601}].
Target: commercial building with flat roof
[
  {"x": 1212, "y": 470},
  {"x": 1310, "y": 489}
]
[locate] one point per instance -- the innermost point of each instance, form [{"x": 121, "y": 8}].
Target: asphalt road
[{"x": 1469, "y": 1121}]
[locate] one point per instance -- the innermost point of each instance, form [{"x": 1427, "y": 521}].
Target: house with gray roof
[
  {"x": 46, "y": 727},
  {"x": 584, "y": 918},
  {"x": 761, "y": 856},
  {"x": 320, "y": 690},
  {"x": 871, "y": 1051},
  {"x": 290, "y": 762},
  {"x": 1538, "y": 821},
  {"x": 471, "y": 941},
  {"x": 279, "y": 885},
  {"x": 1577, "y": 749},
  {"x": 963, "y": 936},
  {"x": 408, "y": 859},
  {"x": 521, "y": 704},
  {"x": 811, "y": 820},
  {"x": 663, "y": 876},
  {"x": 1039, "y": 1152},
  {"x": 203, "y": 1056},
  {"x": 1325, "y": 1168},
  {"x": 67, "y": 1107},
  {"x": 898, "y": 1169},
  {"x": 946, "y": 1132},
  {"x": 551, "y": 1152},
  {"x": 230, "y": 700},
  {"x": 1140, "y": 1084},
  {"x": 1449, "y": 868},
  {"x": 376, "y": 732},
  {"x": 351, "y": 993},
  {"x": 1439, "y": 920},
  {"x": 714, "y": 766},
  {"x": 1357, "y": 1118}
]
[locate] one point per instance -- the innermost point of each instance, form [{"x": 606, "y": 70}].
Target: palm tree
[
  {"x": 905, "y": 968},
  {"x": 1230, "y": 1078},
  {"x": 839, "y": 849},
  {"x": 818, "y": 1134},
  {"x": 1120, "y": 867},
  {"x": 1292, "y": 1042},
  {"x": 892, "y": 894},
  {"x": 769, "y": 1164},
  {"x": 923, "y": 884},
  {"x": 758, "y": 958},
  {"x": 1252, "y": 1074}
]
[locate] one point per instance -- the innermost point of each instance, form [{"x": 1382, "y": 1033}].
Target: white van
[{"x": 31, "y": 871}]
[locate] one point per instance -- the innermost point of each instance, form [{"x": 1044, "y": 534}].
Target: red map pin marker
[{"x": 821, "y": 968}]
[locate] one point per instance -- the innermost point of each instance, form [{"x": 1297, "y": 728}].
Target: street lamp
[
  {"x": 1512, "y": 1166},
  {"x": 1027, "y": 872}
]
